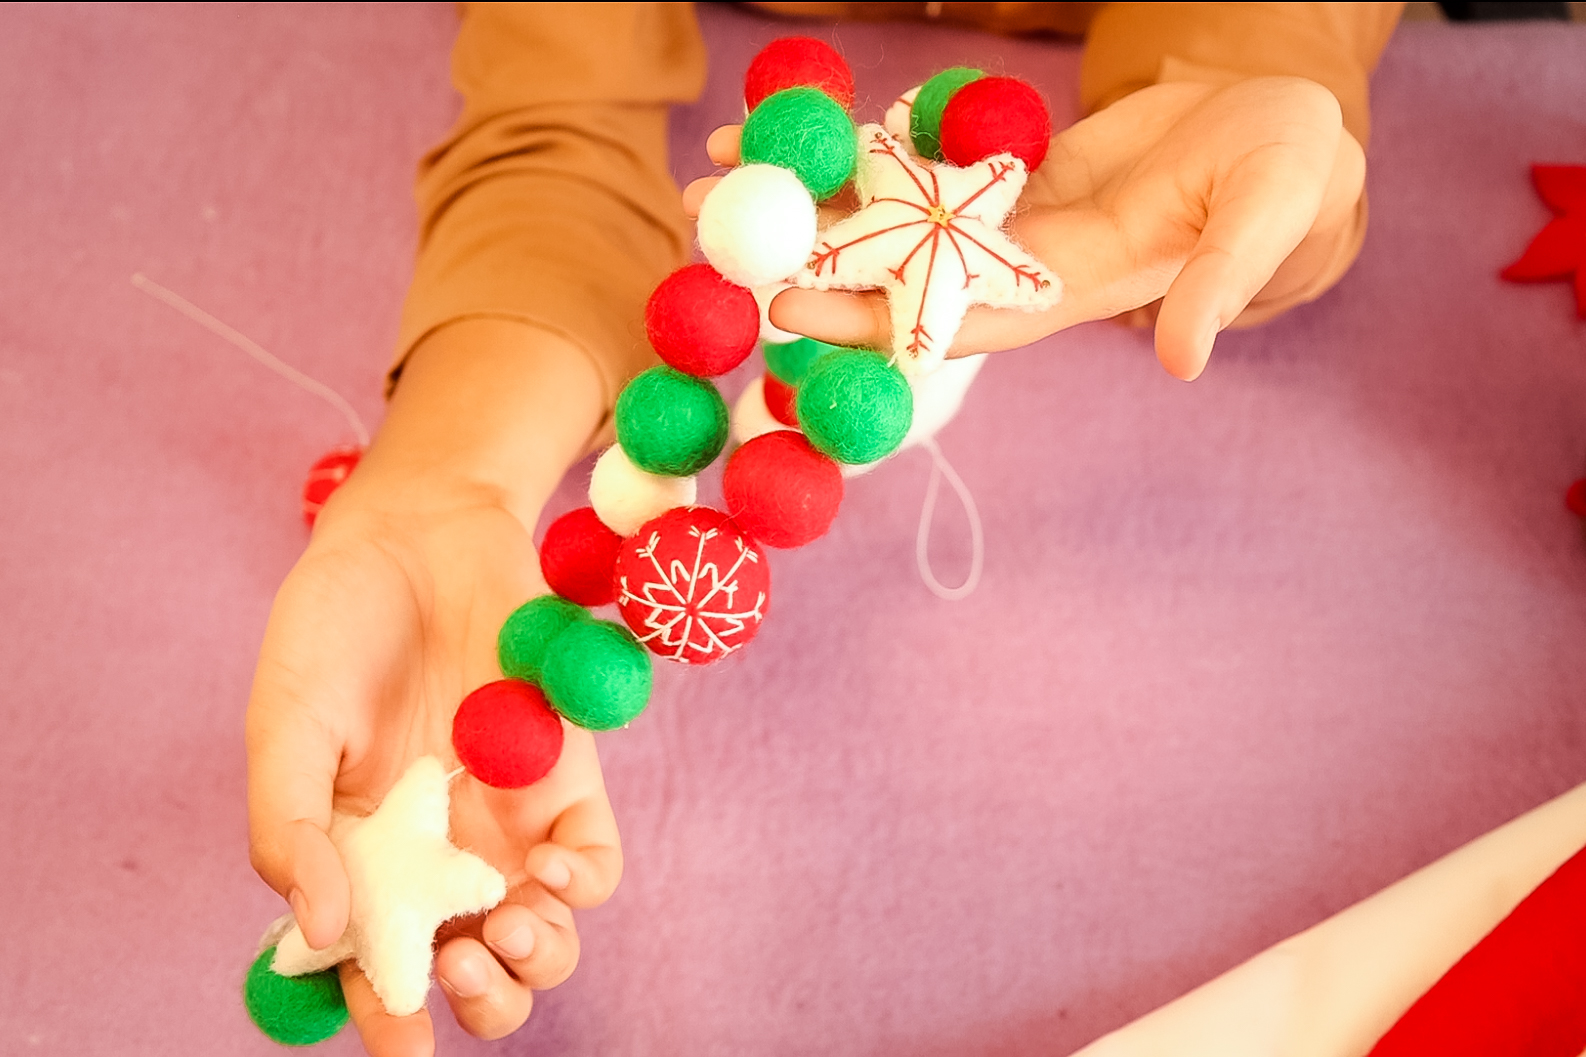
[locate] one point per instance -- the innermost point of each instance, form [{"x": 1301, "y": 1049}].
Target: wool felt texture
[
  {"x": 781, "y": 399},
  {"x": 692, "y": 586},
  {"x": 506, "y": 734},
  {"x": 855, "y": 406},
  {"x": 757, "y": 225},
  {"x": 995, "y": 115},
  {"x": 406, "y": 880},
  {"x": 898, "y": 117},
  {"x": 327, "y": 475},
  {"x": 930, "y": 100},
  {"x": 700, "y": 323},
  {"x": 1520, "y": 992},
  {"x": 597, "y": 676},
  {"x": 527, "y": 633},
  {"x": 807, "y": 131},
  {"x": 1559, "y": 249},
  {"x": 791, "y": 61},
  {"x": 931, "y": 240},
  {"x": 293, "y": 1010},
  {"x": 1247, "y": 650},
  {"x": 625, "y": 497},
  {"x": 751, "y": 417},
  {"x": 781, "y": 490},
  {"x": 577, "y": 554},
  {"x": 790, "y": 361},
  {"x": 670, "y": 423}
]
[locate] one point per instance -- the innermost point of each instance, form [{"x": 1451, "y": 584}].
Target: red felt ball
[
  {"x": 692, "y": 586},
  {"x": 700, "y": 323},
  {"x": 781, "y": 400},
  {"x": 1575, "y": 498},
  {"x": 507, "y": 735},
  {"x": 794, "y": 61},
  {"x": 577, "y": 557},
  {"x": 325, "y": 477},
  {"x": 781, "y": 490},
  {"x": 993, "y": 115}
]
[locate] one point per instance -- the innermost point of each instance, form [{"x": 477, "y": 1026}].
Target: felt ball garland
[
  {"x": 995, "y": 115},
  {"x": 793, "y": 61},
  {"x": 293, "y": 1010},
  {"x": 925, "y": 114},
  {"x": 805, "y": 130}
]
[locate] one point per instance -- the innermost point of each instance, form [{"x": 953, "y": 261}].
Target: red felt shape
[
  {"x": 324, "y": 478},
  {"x": 794, "y": 61},
  {"x": 700, "y": 323},
  {"x": 1575, "y": 498},
  {"x": 1520, "y": 992},
  {"x": 577, "y": 557},
  {"x": 692, "y": 586},
  {"x": 995, "y": 115},
  {"x": 781, "y": 490},
  {"x": 1559, "y": 249},
  {"x": 507, "y": 735},
  {"x": 781, "y": 400}
]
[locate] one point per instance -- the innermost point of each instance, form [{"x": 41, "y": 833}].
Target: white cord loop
[{"x": 941, "y": 468}]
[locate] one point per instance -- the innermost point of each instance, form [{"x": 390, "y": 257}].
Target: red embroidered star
[
  {"x": 1559, "y": 250},
  {"x": 930, "y": 237}
]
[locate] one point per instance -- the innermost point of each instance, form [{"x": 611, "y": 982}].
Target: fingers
[
  {"x": 486, "y": 999},
  {"x": 722, "y": 145},
  {"x": 694, "y": 195},
  {"x": 861, "y": 320},
  {"x": 527, "y": 946},
  {"x": 384, "y": 1035},
  {"x": 582, "y": 862}
]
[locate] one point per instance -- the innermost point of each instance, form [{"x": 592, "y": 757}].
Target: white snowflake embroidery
[{"x": 691, "y": 608}]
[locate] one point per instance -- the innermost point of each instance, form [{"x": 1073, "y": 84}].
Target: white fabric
[
  {"x": 757, "y": 225},
  {"x": 1335, "y": 989},
  {"x": 931, "y": 238},
  {"x": 896, "y": 121},
  {"x": 406, "y": 879}
]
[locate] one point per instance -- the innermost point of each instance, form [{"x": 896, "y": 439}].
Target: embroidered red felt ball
[
  {"x": 577, "y": 557},
  {"x": 692, "y": 586},
  {"x": 781, "y": 400},
  {"x": 325, "y": 477},
  {"x": 506, "y": 734},
  {"x": 993, "y": 115},
  {"x": 781, "y": 491},
  {"x": 700, "y": 323},
  {"x": 794, "y": 61}
]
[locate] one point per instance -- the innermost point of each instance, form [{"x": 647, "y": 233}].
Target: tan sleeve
[
  {"x": 551, "y": 201},
  {"x": 1130, "y": 46}
]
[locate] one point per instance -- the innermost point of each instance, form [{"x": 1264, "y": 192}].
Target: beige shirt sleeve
[{"x": 551, "y": 201}]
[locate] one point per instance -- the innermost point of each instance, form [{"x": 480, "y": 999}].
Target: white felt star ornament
[
  {"x": 930, "y": 237},
  {"x": 407, "y": 879}
]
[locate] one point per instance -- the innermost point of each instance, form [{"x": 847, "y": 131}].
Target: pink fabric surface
[{"x": 1245, "y": 650}]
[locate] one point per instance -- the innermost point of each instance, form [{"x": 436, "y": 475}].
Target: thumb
[{"x": 582, "y": 862}]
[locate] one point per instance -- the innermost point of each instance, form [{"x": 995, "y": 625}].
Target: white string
[
  {"x": 252, "y": 348},
  {"x": 941, "y": 468}
]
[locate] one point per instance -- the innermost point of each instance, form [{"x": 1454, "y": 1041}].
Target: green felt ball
[
  {"x": 597, "y": 675},
  {"x": 524, "y": 638},
  {"x": 670, "y": 423},
  {"x": 791, "y": 361},
  {"x": 855, "y": 406},
  {"x": 293, "y": 1010},
  {"x": 805, "y": 130},
  {"x": 925, "y": 116}
]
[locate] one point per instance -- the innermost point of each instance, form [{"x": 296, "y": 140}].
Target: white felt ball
[
  {"x": 750, "y": 417},
  {"x": 769, "y": 331},
  {"x": 757, "y": 226},
  {"x": 625, "y": 497},
  {"x": 897, "y": 118}
]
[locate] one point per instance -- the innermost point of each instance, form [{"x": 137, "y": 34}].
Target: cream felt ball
[
  {"x": 700, "y": 323},
  {"x": 625, "y": 497},
  {"x": 781, "y": 491},
  {"x": 855, "y": 406},
  {"x": 671, "y": 423},
  {"x": 293, "y": 1010},
  {"x": 803, "y": 129},
  {"x": 523, "y": 639},
  {"x": 757, "y": 226},
  {"x": 597, "y": 675},
  {"x": 506, "y": 734},
  {"x": 750, "y": 416},
  {"x": 577, "y": 555}
]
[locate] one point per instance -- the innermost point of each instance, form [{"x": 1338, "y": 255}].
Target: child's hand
[
  {"x": 1200, "y": 207},
  {"x": 386, "y": 622}
]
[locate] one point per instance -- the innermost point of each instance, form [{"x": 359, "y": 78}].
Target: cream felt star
[
  {"x": 930, "y": 237},
  {"x": 407, "y": 879}
]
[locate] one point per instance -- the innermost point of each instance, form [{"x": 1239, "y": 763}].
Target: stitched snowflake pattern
[
  {"x": 931, "y": 238},
  {"x": 691, "y": 586}
]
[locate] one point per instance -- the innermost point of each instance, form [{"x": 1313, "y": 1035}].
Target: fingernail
[
  {"x": 517, "y": 944},
  {"x": 555, "y": 874},
  {"x": 299, "y": 904},
  {"x": 467, "y": 979}
]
